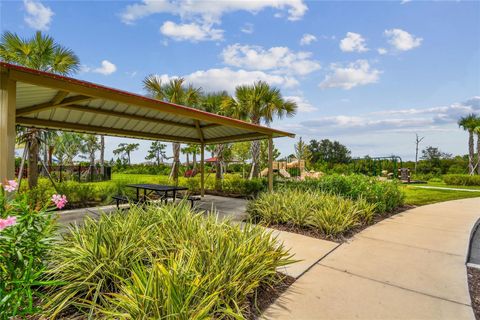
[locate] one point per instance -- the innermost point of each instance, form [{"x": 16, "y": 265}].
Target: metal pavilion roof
[{"x": 46, "y": 100}]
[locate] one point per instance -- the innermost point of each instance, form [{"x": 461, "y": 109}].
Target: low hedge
[
  {"x": 461, "y": 180},
  {"x": 386, "y": 195}
]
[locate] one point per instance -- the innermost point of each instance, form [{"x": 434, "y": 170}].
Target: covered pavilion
[{"x": 33, "y": 98}]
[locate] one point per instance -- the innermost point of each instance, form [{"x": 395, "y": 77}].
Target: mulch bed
[
  {"x": 317, "y": 234},
  {"x": 267, "y": 295},
  {"x": 474, "y": 286}
]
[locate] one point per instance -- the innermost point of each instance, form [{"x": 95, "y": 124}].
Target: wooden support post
[
  {"x": 202, "y": 170},
  {"x": 8, "y": 89},
  {"x": 270, "y": 164}
]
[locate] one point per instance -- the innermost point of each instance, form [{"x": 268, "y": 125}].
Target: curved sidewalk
[{"x": 410, "y": 266}]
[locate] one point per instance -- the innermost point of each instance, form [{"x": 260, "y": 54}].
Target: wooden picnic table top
[{"x": 156, "y": 187}]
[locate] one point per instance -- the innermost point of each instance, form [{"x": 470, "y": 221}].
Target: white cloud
[
  {"x": 353, "y": 42},
  {"x": 247, "y": 28},
  {"x": 277, "y": 59},
  {"x": 37, "y": 15},
  {"x": 382, "y": 51},
  {"x": 190, "y": 31},
  {"x": 303, "y": 104},
  {"x": 357, "y": 73},
  {"x": 402, "y": 40},
  {"x": 227, "y": 79},
  {"x": 307, "y": 39},
  {"x": 210, "y": 11},
  {"x": 440, "y": 118},
  {"x": 106, "y": 68}
]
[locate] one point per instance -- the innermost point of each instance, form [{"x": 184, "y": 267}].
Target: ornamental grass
[{"x": 161, "y": 262}]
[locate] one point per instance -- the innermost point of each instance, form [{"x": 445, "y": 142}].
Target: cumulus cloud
[
  {"x": 208, "y": 13},
  {"x": 382, "y": 51},
  {"x": 277, "y": 59},
  {"x": 353, "y": 42},
  {"x": 402, "y": 40},
  {"x": 307, "y": 39},
  {"x": 37, "y": 15},
  {"x": 219, "y": 79},
  {"x": 190, "y": 31},
  {"x": 106, "y": 68},
  {"x": 247, "y": 28},
  {"x": 438, "y": 118},
  {"x": 355, "y": 74},
  {"x": 303, "y": 104}
]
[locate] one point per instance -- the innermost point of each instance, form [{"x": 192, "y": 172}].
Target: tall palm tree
[
  {"x": 212, "y": 102},
  {"x": 258, "y": 103},
  {"x": 476, "y": 130},
  {"x": 468, "y": 123},
  {"x": 40, "y": 52},
  {"x": 173, "y": 91},
  {"x": 125, "y": 150}
]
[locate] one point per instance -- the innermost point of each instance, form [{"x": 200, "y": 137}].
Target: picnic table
[{"x": 159, "y": 189}]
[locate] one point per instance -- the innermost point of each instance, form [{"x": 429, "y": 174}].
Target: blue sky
[{"x": 369, "y": 74}]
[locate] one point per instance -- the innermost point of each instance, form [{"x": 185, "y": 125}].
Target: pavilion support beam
[
  {"x": 202, "y": 170},
  {"x": 84, "y": 128},
  {"x": 199, "y": 131},
  {"x": 51, "y": 104},
  {"x": 8, "y": 90},
  {"x": 270, "y": 164}
]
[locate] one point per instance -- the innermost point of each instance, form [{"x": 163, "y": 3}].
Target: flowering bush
[{"x": 26, "y": 237}]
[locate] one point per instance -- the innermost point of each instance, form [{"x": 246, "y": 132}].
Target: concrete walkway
[{"x": 410, "y": 266}]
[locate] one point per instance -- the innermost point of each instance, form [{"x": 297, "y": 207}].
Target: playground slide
[
  {"x": 281, "y": 172},
  {"x": 284, "y": 173}
]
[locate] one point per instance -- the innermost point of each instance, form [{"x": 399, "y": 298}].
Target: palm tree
[
  {"x": 176, "y": 92},
  {"x": 40, "y": 52},
  {"x": 212, "y": 102},
  {"x": 468, "y": 123},
  {"x": 102, "y": 153},
  {"x": 125, "y": 149},
  {"x": 258, "y": 103},
  {"x": 157, "y": 152},
  {"x": 476, "y": 130}
]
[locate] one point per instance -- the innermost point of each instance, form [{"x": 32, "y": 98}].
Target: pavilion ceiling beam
[
  {"x": 76, "y": 127},
  {"x": 87, "y": 109},
  {"x": 51, "y": 104},
  {"x": 199, "y": 131},
  {"x": 238, "y": 137}
]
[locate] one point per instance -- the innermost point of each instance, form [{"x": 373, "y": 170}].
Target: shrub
[
  {"x": 26, "y": 236},
  {"x": 385, "y": 195},
  {"x": 461, "y": 180},
  {"x": 158, "y": 262},
  {"x": 328, "y": 214}
]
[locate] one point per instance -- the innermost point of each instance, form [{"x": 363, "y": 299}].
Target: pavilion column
[
  {"x": 270, "y": 164},
  {"x": 202, "y": 170},
  {"x": 7, "y": 126}
]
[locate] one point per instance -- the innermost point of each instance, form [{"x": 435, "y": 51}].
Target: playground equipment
[
  {"x": 375, "y": 165},
  {"x": 288, "y": 169},
  {"x": 386, "y": 167}
]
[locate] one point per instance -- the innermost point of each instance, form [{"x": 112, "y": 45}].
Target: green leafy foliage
[
  {"x": 385, "y": 195},
  {"x": 330, "y": 215},
  {"x": 461, "y": 180},
  {"x": 24, "y": 247},
  {"x": 159, "y": 262}
]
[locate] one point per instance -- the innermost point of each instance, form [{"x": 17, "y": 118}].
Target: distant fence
[{"x": 73, "y": 173}]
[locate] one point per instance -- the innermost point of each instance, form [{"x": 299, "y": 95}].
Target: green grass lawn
[{"x": 419, "y": 196}]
